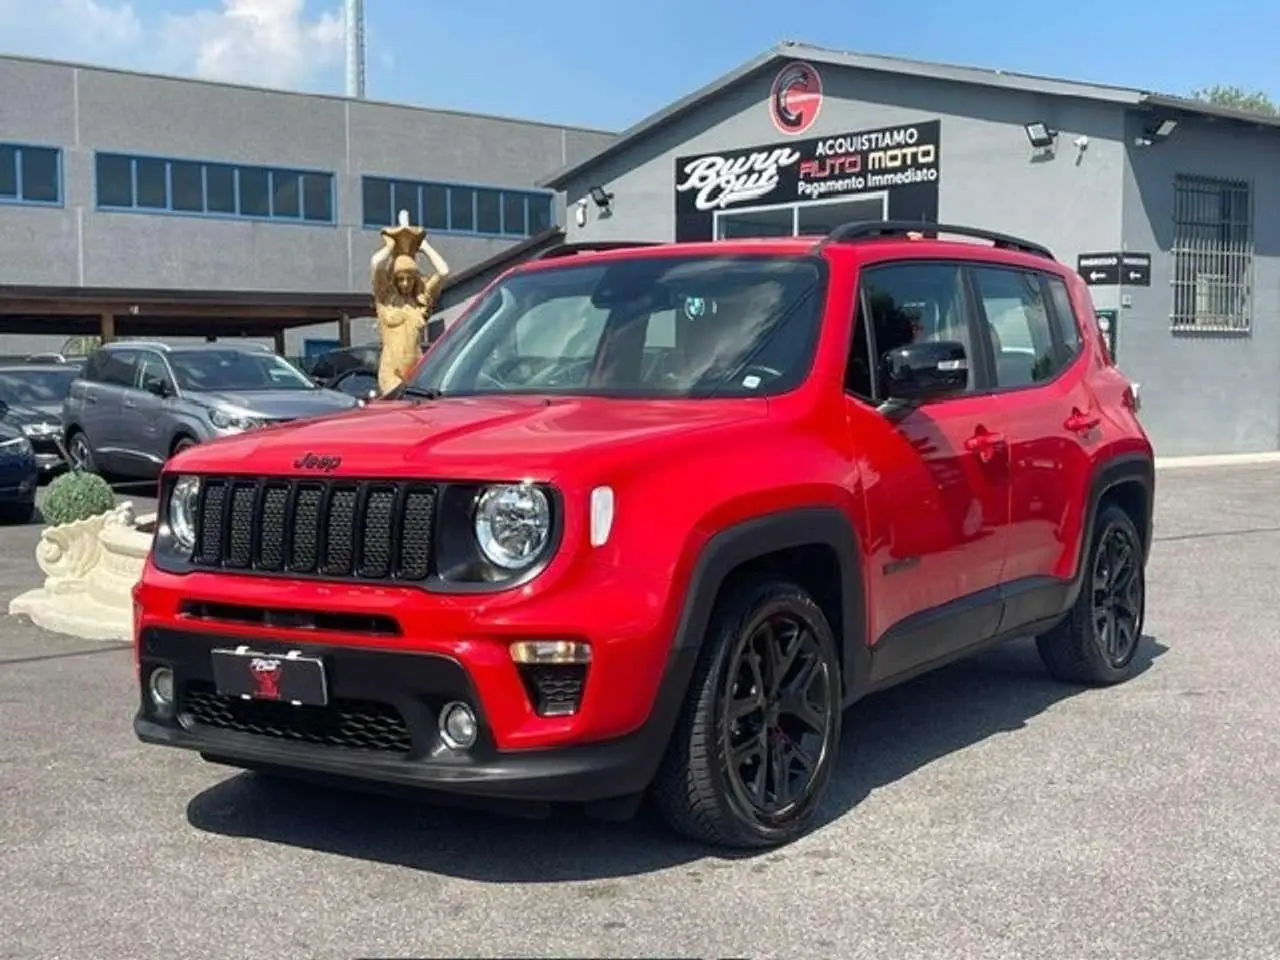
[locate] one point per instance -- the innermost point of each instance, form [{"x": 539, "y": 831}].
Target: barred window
[{"x": 1212, "y": 255}]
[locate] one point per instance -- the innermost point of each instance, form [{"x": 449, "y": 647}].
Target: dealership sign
[
  {"x": 848, "y": 163},
  {"x": 795, "y": 99}
]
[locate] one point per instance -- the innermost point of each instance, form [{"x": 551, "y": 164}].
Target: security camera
[{"x": 1082, "y": 142}]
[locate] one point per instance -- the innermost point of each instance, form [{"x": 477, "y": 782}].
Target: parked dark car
[
  {"x": 19, "y": 476},
  {"x": 351, "y": 370},
  {"x": 32, "y": 396},
  {"x": 136, "y": 403}
]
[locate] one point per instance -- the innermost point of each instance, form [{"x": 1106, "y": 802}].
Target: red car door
[
  {"x": 936, "y": 478},
  {"x": 1051, "y": 421}
]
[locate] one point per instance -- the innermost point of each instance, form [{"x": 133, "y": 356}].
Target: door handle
[
  {"x": 984, "y": 443},
  {"x": 1081, "y": 422}
]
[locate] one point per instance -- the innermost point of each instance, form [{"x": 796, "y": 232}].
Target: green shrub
[{"x": 76, "y": 496}]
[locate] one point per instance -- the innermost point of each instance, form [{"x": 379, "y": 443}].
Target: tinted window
[
  {"x": 513, "y": 219},
  {"x": 255, "y": 193},
  {"x": 358, "y": 384},
  {"x": 1018, "y": 321},
  {"x": 188, "y": 186},
  {"x": 119, "y": 367},
  {"x": 220, "y": 182},
  {"x": 115, "y": 180},
  {"x": 153, "y": 189},
  {"x": 1064, "y": 318},
  {"x": 462, "y": 214},
  {"x": 488, "y": 211},
  {"x": 8, "y": 172},
  {"x": 286, "y": 194},
  {"x": 404, "y": 196},
  {"x": 910, "y": 303},
  {"x": 203, "y": 371},
  {"x": 39, "y": 174},
  {"x": 317, "y": 197},
  {"x": 21, "y": 387},
  {"x": 742, "y": 326},
  {"x": 435, "y": 208},
  {"x": 151, "y": 371},
  {"x": 377, "y": 203},
  {"x": 539, "y": 214}
]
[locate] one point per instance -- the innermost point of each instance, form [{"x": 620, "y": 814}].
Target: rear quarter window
[{"x": 1064, "y": 318}]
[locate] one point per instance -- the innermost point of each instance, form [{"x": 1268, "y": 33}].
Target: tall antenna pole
[{"x": 355, "y": 49}]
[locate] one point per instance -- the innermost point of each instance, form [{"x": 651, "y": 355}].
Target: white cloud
[{"x": 276, "y": 43}]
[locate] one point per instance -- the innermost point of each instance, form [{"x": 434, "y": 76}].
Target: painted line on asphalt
[{"x": 1217, "y": 460}]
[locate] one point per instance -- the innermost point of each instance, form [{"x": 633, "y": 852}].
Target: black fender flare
[
  {"x": 748, "y": 540},
  {"x": 1126, "y": 468}
]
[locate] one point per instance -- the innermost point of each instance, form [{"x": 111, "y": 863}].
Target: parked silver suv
[{"x": 136, "y": 403}]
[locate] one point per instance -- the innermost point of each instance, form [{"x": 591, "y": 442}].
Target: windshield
[
  {"x": 206, "y": 371},
  {"x": 646, "y": 327},
  {"x": 28, "y": 387}
]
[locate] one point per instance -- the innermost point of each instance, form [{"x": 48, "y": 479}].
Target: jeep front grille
[{"x": 335, "y": 529}]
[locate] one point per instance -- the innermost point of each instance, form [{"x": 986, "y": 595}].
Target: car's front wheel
[
  {"x": 752, "y": 755},
  {"x": 81, "y": 454}
]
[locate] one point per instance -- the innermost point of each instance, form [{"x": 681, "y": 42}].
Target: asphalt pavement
[{"x": 980, "y": 812}]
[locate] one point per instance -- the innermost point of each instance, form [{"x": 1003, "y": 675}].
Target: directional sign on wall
[{"x": 1115, "y": 269}]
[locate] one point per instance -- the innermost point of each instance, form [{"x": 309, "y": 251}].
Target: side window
[
  {"x": 153, "y": 374},
  {"x": 93, "y": 367},
  {"x": 119, "y": 368},
  {"x": 1064, "y": 318},
  {"x": 911, "y": 303},
  {"x": 1018, "y": 322}
]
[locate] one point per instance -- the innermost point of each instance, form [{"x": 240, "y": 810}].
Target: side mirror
[
  {"x": 925, "y": 371},
  {"x": 156, "y": 386}
]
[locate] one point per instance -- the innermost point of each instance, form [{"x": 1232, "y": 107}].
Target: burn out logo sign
[{"x": 795, "y": 98}]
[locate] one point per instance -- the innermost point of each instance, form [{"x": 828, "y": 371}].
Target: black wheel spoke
[
  {"x": 1117, "y": 596},
  {"x": 777, "y": 714}
]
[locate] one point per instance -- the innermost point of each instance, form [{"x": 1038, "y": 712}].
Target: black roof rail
[
  {"x": 867, "y": 229},
  {"x": 569, "y": 249}
]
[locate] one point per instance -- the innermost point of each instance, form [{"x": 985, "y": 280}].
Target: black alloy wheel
[
  {"x": 777, "y": 716},
  {"x": 1118, "y": 595},
  {"x": 81, "y": 454},
  {"x": 753, "y": 752}
]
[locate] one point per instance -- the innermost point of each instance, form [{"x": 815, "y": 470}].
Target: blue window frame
[
  {"x": 464, "y": 208},
  {"x": 30, "y": 174},
  {"x": 205, "y": 188}
]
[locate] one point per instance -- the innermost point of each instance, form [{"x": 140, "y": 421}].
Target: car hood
[
  {"x": 537, "y": 438},
  {"x": 281, "y": 404},
  {"x": 35, "y": 413}
]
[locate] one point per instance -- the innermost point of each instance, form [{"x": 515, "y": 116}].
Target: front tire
[
  {"x": 753, "y": 752},
  {"x": 81, "y": 453},
  {"x": 1097, "y": 644}
]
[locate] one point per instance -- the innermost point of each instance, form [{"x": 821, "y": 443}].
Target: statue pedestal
[{"x": 90, "y": 569}]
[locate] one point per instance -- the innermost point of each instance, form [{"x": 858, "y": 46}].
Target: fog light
[
  {"x": 458, "y": 726},
  {"x": 551, "y": 651},
  {"x": 160, "y": 685}
]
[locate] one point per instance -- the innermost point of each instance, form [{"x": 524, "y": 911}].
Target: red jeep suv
[{"x": 648, "y": 518}]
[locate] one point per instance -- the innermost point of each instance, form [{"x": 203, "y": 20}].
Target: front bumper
[{"x": 381, "y": 725}]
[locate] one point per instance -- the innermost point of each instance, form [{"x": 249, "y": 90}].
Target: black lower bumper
[{"x": 380, "y": 726}]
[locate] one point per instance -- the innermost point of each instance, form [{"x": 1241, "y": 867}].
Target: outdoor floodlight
[
  {"x": 1040, "y": 135},
  {"x": 1164, "y": 130}
]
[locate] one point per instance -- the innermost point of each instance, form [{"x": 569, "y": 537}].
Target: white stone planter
[{"x": 90, "y": 569}]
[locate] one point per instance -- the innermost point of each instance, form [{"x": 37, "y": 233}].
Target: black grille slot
[
  {"x": 353, "y": 724},
  {"x": 554, "y": 689},
  {"x": 368, "y": 530}
]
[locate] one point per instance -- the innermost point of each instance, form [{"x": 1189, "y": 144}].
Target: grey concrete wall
[
  {"x": 81, "y": 110},
  {"x": 1203, "y": 392}
]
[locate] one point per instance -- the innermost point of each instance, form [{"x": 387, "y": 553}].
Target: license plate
[{"x": 287, "y": 678}]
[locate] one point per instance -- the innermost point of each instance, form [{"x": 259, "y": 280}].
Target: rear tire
[
  {"x": 181, "y": 444},
  {"x": 752, "y": 754},
  {"x": 17, "y": 514},
  {"x": 1098, "y": 642}
]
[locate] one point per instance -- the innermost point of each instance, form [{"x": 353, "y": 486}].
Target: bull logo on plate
[
  {"x": 266, "y": 678},
  {"x": 796, "y": 98}
]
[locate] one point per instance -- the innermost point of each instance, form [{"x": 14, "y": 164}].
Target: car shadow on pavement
[{"x": 888, "y": 736}]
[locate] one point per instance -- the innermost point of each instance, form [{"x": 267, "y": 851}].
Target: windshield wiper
[{"x": 420, "y": 393}]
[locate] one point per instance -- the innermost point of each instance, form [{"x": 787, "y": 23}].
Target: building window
[
  {"x": 458, "y": 208},
  {"x": 1212, "y": 255},
  {"x": 198, "y": 188},
  {"x": 30, "y": 174}
]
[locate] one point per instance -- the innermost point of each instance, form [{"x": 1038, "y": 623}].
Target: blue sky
[{"x": 608, "y": 63}]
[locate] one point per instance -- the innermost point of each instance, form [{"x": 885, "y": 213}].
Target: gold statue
[{"x": 403, "y": 298}]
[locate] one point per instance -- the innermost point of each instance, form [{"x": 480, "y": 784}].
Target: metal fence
[{"x": 1212, "y": 255}]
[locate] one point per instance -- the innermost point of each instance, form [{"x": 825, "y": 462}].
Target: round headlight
[
  {"x": 512, "y": 525},
  {"x": 183, "y": 505}
]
